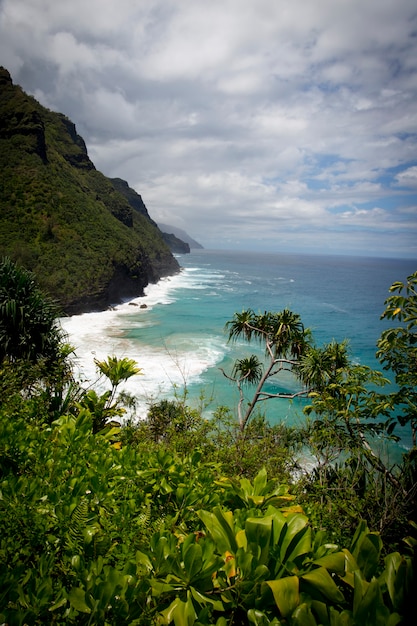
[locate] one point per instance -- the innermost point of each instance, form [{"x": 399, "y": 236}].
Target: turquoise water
[{"x": 179, "y": 339}]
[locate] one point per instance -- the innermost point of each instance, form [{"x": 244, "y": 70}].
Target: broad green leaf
[
  {"x": 287, "y": 510},
  {"x": 58, "y": 604},
  {"x": 360, "y": 588},
  {"x": 297, "y": 540},
  {"x": 241, "y": 539},
  {"x": 398, "y": 576},
  {"x": 244, "y": 562},
  {"x": 89, "y": 533},
  {"x": 219, "y": 525},
  {"x": 261, "y": 572},
  {"x": 334, "y": 562},
  {"x": 77, "y": 600},
  {"x": 258, "y": 618},
  {"x": 168, "y": 614},
  {"x": 107, "y": 435},
  {"x": 181, "y": 613},
  {"x": 258, "y": 531},
  {"x": 345, "y": 618},
  {"x": 193, "y": 560},
  {"x": 159, "y": 588},
  {"x": 321, "y": 610},
  {"x": 295, "y": 525},
  {"x": 286, "y": 594},
  {"x": 279, "y": 525},
  {"x": 369, "y": 603},
  {"x": 350, "y": 568},
  {"x": 367, "y": 552},
  {"x": 303, "y": 616},
  {"x": 143, "y": 561},
  {"x": 321, "y": 580},
  {"x": 204, "y": 600},
  {"x": 260, "y": 482},
  {"x": 255, "y": 499}
]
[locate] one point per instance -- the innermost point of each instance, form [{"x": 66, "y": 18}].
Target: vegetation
[
  {"x": 288, "y": 347},
  {"x": 397, "y": 350},
  {"x": 179, "y": 520},
  {"x": 88, "y": 244}
]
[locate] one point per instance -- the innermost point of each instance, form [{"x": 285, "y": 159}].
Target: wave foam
[{"x": 181, "y": 359}]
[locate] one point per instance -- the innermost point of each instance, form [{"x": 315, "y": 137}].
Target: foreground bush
[{"x": 94, "y": 534}]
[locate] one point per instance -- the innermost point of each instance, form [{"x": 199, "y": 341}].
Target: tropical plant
[
  {"x": 269, "y": 568},
  {"x": 105, "y": 407},
  {"x": 288, "y": 348},
  {"x": 29, "y": 329},
  {"x": 397, "y": 350},
  {"x": 117, "y": 370}
]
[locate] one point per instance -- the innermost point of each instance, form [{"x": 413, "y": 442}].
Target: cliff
[
  {"x": 88, "y": 239},
  {"x": 181, "y": 235}
]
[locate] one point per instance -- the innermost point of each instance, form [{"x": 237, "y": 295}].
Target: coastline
[
  {"x": 179, "y": 341},
  {"x": 100, "y": 334}
]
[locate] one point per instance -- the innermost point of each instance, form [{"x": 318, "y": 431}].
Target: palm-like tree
[
  {"x": 320, "y": 366},
  {"x": 29, "y": 328},
  {"x": 117, "y": 371},
  {"x": 243, "y": 323},
  {"x": 248, "y": 370},
  {"x": 285, "y": 339},
  {"x": 283, "y": 333},
  {"x": 288, "y": 334}
]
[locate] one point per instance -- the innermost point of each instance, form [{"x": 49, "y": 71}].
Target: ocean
[{"x": 179, "y": 339}]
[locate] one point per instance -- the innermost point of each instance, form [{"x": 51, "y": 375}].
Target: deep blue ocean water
[{"x": 179, "y": 339}]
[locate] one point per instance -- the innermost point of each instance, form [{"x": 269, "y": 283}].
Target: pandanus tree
[
  {"x": 33, "y": 352},
  {"x": 29, "y": 328},
  {"x": 320, "y": 366},
  {"x": 288, "y": 347}
]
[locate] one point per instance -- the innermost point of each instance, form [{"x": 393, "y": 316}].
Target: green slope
[{"x": 65, "y": 221}]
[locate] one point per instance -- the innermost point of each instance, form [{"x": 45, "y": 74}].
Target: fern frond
[{"x": 78, "y": 521}]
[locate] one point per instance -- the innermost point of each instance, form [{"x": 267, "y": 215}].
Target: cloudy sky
[{"x": 280, "y": 125}]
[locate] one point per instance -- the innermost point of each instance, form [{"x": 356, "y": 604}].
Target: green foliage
[
  {"x": 28, "y": 319},
  {"x": 181, "y": 520},
  {"x": 397, "y": 349},
  {"x": 33, "y": 358},
  {"x": 94, "y": 534},
  {"x": 288, "y": 348}
]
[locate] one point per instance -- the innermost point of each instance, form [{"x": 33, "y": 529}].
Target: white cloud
[
  {"x": 408, "y": 177},
  {"x": 235, "y": 116}
]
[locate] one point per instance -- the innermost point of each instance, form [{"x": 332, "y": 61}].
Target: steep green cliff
[
  {"x": 88, "y": 244},
  {"x": 135, "y": 200}
]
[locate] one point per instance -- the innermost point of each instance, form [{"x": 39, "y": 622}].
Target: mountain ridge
[
  {"x": 182, "y": 235},
  {"x": 88, "y": 244}
]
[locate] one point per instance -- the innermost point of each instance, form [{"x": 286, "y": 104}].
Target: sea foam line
[{"x": 97, "y": 335}]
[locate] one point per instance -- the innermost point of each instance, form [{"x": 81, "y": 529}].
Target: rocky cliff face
[
  {"x": 175, "y": 244},
  {"x": 27, "y": 123},
  {"x": 89, "y": 240}
]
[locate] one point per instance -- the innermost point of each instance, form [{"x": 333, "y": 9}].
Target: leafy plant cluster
[
  {"x": 181, "y": 520},
  {"x": 93, "y": 534}
]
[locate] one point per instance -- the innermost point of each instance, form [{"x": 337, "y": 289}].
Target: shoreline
[{"x": 100, "y": 334}]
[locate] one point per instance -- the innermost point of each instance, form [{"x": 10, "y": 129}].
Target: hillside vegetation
[
  {"x": 178, "y": 520},
  {"x": 88, "y": 244}
]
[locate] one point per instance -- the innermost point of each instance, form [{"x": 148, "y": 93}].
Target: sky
[{"x": 273, "y": 125}]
